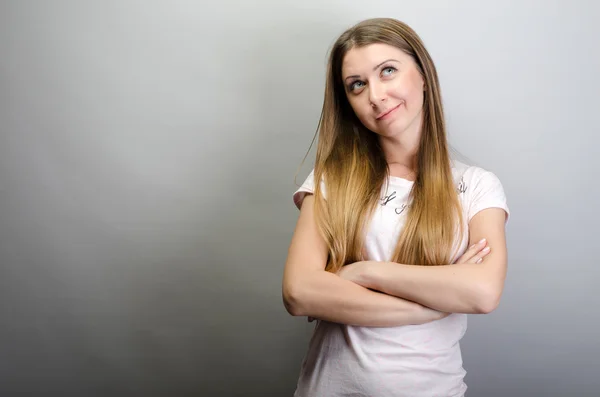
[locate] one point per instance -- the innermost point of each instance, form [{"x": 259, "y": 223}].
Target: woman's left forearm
[{"x": 461, "y": 288}]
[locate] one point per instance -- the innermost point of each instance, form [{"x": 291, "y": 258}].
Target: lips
[{"x": 387, "y": 112}]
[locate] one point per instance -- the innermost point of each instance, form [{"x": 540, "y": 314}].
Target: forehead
[{"x": 361, "y": 60}]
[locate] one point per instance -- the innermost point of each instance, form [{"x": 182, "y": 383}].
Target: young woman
[{"x": 379, "y": 254}]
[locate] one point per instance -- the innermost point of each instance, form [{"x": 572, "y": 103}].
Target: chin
[{"x": 394, "y": 129}]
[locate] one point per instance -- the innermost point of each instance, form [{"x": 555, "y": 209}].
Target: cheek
[
  {"x": 404, "y": 89},
  {"x": 414, "y": 93}
]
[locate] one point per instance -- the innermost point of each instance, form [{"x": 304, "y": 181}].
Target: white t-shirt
[{"x": 412, "y": 360}]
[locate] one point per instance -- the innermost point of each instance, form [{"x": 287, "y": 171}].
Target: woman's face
[{"x": 385, "y": 89}]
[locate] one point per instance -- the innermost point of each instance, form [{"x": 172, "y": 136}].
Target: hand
[
  {"x": 475, "y": 253},
  {"x": 430, "y": 314},
  {"x": 353, "y": 272}
]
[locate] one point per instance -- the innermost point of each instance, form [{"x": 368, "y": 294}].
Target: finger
[
  {"x": 472, "y": 252},
  {"x": 482, "y": 254},
  {"x": 478, "y": 257}
]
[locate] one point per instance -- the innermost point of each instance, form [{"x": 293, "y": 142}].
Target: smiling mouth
[{"x": 382, "y": 116}]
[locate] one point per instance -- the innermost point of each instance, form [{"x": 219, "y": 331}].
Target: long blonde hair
[{"x": 352, "y": 165}]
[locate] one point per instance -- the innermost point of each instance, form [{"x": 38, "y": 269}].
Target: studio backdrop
[{"x": 148, "y": 151}]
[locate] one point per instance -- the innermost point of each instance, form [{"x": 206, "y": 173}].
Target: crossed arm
[
  {"x": 408, "y": 294},
  {"x": 461, "y": 288}
]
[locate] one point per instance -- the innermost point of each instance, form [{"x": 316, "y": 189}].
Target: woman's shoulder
[
  {"x": 463, "y": 173},
  {"x": 308, "y": 187},
  {"x": 479, "y": 188}
]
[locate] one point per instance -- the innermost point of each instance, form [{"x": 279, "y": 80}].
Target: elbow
[
  {"x": 488, "y": 300},
  {"x": 486, "y": 306},
  {"x": 292, "y": 300}
]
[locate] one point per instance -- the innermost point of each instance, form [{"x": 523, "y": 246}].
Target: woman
[{"x": 390, "y": 208}]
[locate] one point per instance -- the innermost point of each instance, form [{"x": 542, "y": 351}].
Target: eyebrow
[{"x": 374, "y": 69}]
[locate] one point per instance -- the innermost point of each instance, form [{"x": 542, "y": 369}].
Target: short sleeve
[
  {"x": 308, "y": 187},
  {"x": 486, "y": 191}
]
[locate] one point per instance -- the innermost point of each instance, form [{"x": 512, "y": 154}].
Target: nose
[{"x": 377, "y": 94}]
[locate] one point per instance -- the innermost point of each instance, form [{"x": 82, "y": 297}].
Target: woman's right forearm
[{"x": 326, "y": 296}]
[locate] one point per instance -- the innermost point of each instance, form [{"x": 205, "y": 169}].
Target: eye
[
  {"x": 355, "y": 85},
  {"x": 388, "y": 70}
]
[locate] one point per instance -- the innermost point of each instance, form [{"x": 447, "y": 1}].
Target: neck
[{"x": 401, "y": 149}]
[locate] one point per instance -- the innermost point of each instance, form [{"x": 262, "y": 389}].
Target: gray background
[{"x": 147, "y": 160}]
